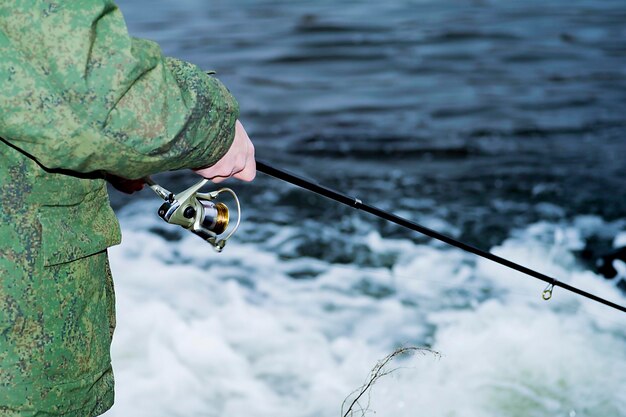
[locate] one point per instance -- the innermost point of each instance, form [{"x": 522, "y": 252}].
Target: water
[{"x": 501, "y": 123}]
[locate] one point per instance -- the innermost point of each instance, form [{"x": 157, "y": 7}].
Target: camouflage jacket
[{"x": 79, "y": 98}]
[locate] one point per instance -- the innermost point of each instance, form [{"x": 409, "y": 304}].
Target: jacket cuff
[{"x": 210, "y": 129}]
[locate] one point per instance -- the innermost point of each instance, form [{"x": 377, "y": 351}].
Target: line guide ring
[{"x": 547, "y": 292}]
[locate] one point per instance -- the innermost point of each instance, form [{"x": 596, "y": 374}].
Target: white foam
[
  {"x": 620, "y": 240},
  {"x": 233, "y": 334}
]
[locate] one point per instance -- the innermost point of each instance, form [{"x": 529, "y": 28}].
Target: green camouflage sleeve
[{"x": 78, "y": 93}]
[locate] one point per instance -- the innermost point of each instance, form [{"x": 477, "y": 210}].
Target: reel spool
[{"x": 198, "y": 212}]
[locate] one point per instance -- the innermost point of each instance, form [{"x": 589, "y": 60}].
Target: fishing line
[{"x": 360, "y": 205}]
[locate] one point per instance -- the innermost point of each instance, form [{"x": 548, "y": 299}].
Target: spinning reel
[{"x": 198, "y": 212}]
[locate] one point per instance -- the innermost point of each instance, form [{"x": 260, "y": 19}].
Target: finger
[
  {"x": 217, "y": 180},
  {"x": 247, "y": 177},
  {"x": 248, "y": 173},
  {"x": 221, "y": 170}
]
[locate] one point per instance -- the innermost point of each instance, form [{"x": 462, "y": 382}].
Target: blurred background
[{"x": 501, "y": 123}]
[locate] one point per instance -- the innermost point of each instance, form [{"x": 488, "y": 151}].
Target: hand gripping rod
[{"x": 358, "y": 204}]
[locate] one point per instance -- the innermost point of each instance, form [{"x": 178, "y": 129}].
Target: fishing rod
[
  {"x": 360, "y": 205},
  {"x": 202, "y": 215}
]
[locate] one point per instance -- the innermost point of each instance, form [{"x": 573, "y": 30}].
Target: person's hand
[
  {"x": 238, "y": 162},
  {"x": 125, "y": 185}
]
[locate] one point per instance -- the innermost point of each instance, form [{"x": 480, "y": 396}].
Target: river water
[{"x": 498, "y": 122}]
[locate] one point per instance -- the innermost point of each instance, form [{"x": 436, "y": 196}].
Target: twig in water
[{"x": 377, "y": 372}]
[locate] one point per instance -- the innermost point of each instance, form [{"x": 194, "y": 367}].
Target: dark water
[{"x": 483, "y": 115}]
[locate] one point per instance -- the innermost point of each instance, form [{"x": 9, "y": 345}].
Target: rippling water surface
[{"x": 498, "y": 122}]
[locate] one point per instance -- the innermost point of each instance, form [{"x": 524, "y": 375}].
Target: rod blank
[{"x": 358, "y": 204}]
